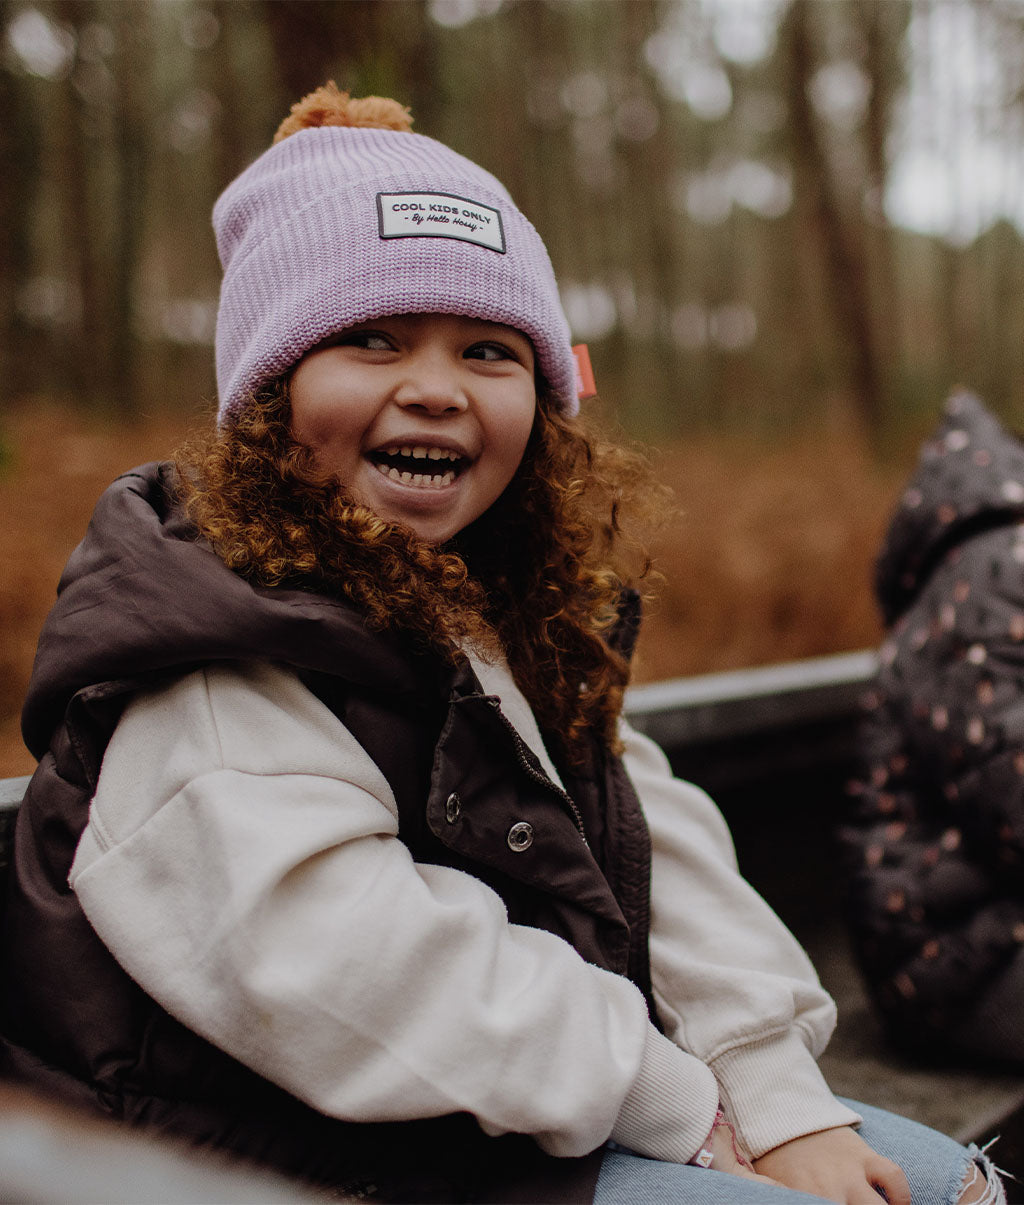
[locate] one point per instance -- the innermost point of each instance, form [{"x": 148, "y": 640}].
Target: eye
[
  {"x": 371, "y": 340},
  {"x": 489, "y": 351}
]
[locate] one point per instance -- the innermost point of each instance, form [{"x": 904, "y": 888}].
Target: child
[
  {"x": 335, "y": 856},
  {"x": 936, "y": 825}
]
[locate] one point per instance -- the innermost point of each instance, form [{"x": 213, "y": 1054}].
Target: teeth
[
  {"x": 433, "y": 481},
  {"x": 420, "y": 452}
]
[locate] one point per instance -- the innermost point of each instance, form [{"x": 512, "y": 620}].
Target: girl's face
[{"x": 423, "y": 417}]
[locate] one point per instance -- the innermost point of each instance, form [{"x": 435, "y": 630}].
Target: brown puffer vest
[{"x": 142, "y": 601}]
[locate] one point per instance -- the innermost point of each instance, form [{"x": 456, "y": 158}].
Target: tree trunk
[
  {"x": 840, "y": 241},
  {"x": 87, "y": 348},
  {"x": 130, "y": 63},
  {"x": 883, "y": 27},
  {"x": 19, "y": 171}
]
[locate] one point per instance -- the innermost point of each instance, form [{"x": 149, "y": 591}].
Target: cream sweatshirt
[{"x": 242, "y": 863}]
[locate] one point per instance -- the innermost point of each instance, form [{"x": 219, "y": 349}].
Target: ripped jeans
[{"x": 937, "y": 1167}]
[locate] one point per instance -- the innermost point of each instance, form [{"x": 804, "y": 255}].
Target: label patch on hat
[{"x": 439, "y": 215}]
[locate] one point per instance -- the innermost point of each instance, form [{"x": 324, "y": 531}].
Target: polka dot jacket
[{"x": 934, "y": 832}]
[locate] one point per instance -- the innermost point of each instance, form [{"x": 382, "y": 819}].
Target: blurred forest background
[{"x": 785, "y": 227}]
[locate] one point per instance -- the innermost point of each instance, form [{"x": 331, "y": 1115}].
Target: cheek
[
  {"x": 516, "y": 432},
  {"x": 321, "y": 424},
  {"x": 314, "y": 391},
  {"x": 306, "y": 412},
  {"x": 314, "y": 428},
  {"x": 335, "y": 448}
]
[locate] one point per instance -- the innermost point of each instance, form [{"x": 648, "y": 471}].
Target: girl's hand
[{"x": 839, "y": 1166}]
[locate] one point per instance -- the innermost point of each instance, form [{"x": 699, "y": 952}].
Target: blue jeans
[{"x": 935, "y": 1165}]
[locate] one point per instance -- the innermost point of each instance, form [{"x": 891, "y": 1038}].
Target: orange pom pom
[{"x": 329, "y": 106}]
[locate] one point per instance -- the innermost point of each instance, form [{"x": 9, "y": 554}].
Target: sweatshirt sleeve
[
  {"x": 241, "y": 861},
  {"x": 731, "y": 983}
]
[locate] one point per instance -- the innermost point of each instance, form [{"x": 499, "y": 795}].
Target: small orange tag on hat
[{"x": 585, "y": 386}]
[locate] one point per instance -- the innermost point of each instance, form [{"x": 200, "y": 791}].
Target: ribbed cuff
[
  {"x": 772, "y": 1092},
  {"x": 670, "y": 1108}
]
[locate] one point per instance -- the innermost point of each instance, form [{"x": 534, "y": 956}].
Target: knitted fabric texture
[{"x": 335, "y": 226}]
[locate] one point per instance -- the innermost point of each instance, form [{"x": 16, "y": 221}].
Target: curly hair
[{"x": 540, "y": 574}]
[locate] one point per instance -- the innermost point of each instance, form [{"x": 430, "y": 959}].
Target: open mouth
[{"x": 418, "y": 464}]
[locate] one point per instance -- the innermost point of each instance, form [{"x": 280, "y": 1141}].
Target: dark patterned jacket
[
  {"x": 935, "y": 839},
  {"x": 142, "y": 602}
]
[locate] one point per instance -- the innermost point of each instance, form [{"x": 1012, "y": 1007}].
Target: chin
[
  {"x": 434, "y": 537},
  {"x": 429, "y": 533}
]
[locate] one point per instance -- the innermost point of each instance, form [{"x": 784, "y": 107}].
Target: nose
[{"x": 432, "y": 383}]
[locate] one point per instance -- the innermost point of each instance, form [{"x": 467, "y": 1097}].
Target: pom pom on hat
[
  {"x": 329, "y": 106},
  {"x": 349, "y": 216}
]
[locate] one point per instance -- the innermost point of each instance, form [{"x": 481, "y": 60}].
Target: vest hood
[
  {"x": 135, "y": 601},
  {"x": 969, "y": 477}
]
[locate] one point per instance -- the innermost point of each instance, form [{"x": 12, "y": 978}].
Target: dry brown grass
[
  {"x": 769, "y": 558},
  {"x": 62, "y": 462}
]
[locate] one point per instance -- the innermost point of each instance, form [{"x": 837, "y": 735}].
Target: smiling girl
[{"x": 340, "y": 854}]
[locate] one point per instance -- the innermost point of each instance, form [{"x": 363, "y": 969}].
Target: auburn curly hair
[{"x": 541, "y": 573}]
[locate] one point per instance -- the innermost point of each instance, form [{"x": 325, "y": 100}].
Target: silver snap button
[
  {"x": 520, "y": 837},
  {"x": 452, "y": 808}
]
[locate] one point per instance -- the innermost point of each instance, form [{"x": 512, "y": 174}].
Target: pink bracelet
[{"x": 705, "y": 1157}]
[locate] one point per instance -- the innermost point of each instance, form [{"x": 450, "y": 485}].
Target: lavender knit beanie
[{"x": 339, "y": 224}]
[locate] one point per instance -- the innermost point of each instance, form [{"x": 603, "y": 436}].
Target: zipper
[{"x": 538, "y": 776}]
